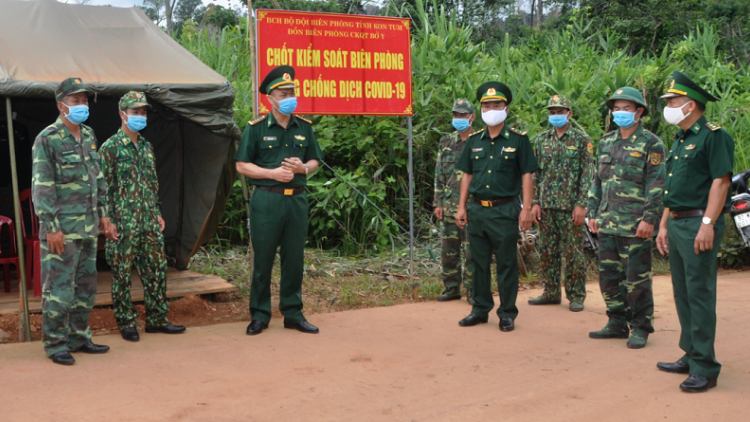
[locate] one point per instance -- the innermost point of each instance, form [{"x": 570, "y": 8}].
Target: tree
[{"x": 186, "y": 10}]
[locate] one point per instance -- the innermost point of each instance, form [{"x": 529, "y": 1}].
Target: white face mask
[
  {"x": 494, "y": 117},
  {"x": 674, "y": 116}
]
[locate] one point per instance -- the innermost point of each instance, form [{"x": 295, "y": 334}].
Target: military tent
[{"x": 115, "y": 50}]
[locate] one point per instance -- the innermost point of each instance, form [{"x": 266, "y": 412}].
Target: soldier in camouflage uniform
[
  {"x": 129, "y": 169},
  {"x": 455, "y": 251},
  {"x": 561, "y": 186},
  {"x": 68, "y": 191},
  {"x": 625, "y": 203}
]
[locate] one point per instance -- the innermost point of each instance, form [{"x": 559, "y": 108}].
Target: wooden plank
[{"x": 179, "y": 284}]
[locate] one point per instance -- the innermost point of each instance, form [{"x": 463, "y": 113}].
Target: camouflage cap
[
  {"x": 462, "y": 105},
  {"x": 69, "y": 86},
  {"x": 133, "y": 99},
  {"x": 628, "y": 94},
  {"x": 559, "y": 101}
]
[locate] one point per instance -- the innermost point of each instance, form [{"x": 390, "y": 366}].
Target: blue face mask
[
  {"x": 624, "y": 119},
  {"x": 287, "y": 105},
  {"x": 558, "y": 120},
  {"x": 77, "y": 114},
  {"x": 136, "y": 123},
  {"x": 461, "y": 124}
]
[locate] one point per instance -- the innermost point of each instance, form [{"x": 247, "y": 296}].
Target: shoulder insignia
[
  {"x": 304, "y": 120},
  {"x": 258, "y": 120},
  {"x": 518, "y": 131},
  {"x": 713, "y": 126},
  {"x": 479, "y": 132}
]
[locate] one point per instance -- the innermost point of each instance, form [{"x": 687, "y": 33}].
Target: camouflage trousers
[
  {"x": 560, "y": 240},
  {"x": 456, "y": 255},
  {"x": 145, "y": 252},
  {"x": 68, "y": 294},
  {"x": 625, "y": 278}
]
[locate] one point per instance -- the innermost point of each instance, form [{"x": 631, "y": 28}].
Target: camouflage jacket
[
  {"x": 447, "y": 178},
  {"x": 132, "y": 185},
  {"x": 567, "y": 166},
  {"x": 628, "y": 184},
  {"x": 67, "y": 184}
]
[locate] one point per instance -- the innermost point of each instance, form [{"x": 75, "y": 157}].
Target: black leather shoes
[
  {"x": 63, "y": 358},
  {"x": 256, "y": 327},
  {"x": 302, "y": 326},
  {"x": 91, "y": 348},
  {"x": 166, "y": 329},
  {"x": 678, "y": 367},
  {"x": 506, "y": 324},
  {"x": 130, "y": 334},
  {"x": 697, "y": 384},
  {"x": 473, "y": 319}
]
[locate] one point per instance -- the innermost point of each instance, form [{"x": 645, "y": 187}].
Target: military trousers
[
  {"x": 560, "y": 240},
  {"x": 494, "y": 231},
  {"x": 278, "y": 222},
  {"x": 625, "y": 279},
  {"x": 68, "y": 294},
  {"x": 694, "y": 284},
  {"x": 143, "y": 251},
  {"x": 456, "y": 255}
]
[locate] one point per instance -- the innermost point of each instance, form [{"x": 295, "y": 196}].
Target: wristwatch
[
  {"x": 307, "y": 169},
  {"x": 707, "y": 220}
]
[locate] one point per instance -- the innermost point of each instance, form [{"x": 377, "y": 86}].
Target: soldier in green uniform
[
  {"x": 276, "y": 153},
  {"x": 129, "y": 168},
  {"x": 69, "y": 194},
  {"x": 624, "y": 205},
  {"x": 696, "y": 194},
  {"x": 455, "y": 251},
  {"x": 498, "y": 163},
  {"x": 559, "y": 206}
]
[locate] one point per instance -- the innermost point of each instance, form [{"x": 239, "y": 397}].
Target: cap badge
[
  {"x": 556, "y": 97},
  {"x": 460, "y": 101},
  {"x": 619, "y": 91},
  {"x": 78, "y": 81},
  {"x": 491, "y": 91},
  {"x": 672, "y": 84},
  {"x": 286, "y": 77},
  {"x": 138, "y": 95}
]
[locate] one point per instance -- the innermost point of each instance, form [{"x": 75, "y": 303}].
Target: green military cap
[
  {"x": 494, "y": 91},
  {"x": 628, "y": 94},
  {"x": 133, "y": 99},
  {"x": 683, "y": 86},
  {"x": 69, "y": 86},
  {"x": 559, "y": 101},
  {"x": 281, "y": 77},
  {"x": 462, "y": 105}
]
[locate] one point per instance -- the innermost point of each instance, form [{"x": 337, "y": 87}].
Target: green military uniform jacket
[
  {"x": 566, "y": 169},
  {"x": 627, "y": 187},
  {"x": 132, "y": 184},
  {"x": 699, "y": 155},
  {"x": 67, "y": 184},
  {"x": 447, "y": 178},
  {"x": 497, "y": 164},
  {"x": 265, "y": 143}
]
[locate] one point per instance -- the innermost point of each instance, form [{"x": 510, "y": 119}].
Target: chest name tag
[
  {"x": 269, "y": 138},
  {"x": 510, "y": 150},
  {"x": 299, "y": 137},
  {"x": 689, "y": 147},
  {"x": 68, "y": 152},
  {"x": 477, "y": 149}
]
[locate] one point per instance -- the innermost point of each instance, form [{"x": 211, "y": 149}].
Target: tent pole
[
  {"x": 24, "y": 329},
  {"x": 251, "y": 40},
  {"x": 414, "y": 286}
]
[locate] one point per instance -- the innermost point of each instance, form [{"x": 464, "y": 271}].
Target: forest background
[{"x": 584, "y": 49}]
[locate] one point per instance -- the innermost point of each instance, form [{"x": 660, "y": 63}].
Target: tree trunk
[
  {"x": 168, "y": 15},
  {"x": 533, "y": 8},
  {"x": 539, "y": 12}
]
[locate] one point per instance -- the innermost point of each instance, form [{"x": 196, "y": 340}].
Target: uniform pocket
[
  {"x": 70, "y": 168},
  {"x": 269, "y": 143}
]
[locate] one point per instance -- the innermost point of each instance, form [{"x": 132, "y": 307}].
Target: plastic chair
[
  {"x": 31, "y": 242},
  {"x": 7, "y": 259}
]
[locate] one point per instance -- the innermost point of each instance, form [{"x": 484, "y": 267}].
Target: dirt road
[{"x": 402, "y": 363}]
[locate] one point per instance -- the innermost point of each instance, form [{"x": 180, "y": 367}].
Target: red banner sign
[{"x": 344, "y": 64}]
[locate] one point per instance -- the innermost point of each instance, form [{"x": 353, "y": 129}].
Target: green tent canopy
[{"x": 115, "y": 50}]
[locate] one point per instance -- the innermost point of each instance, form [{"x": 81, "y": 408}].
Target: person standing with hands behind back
[{"x": 498, "y": 164}]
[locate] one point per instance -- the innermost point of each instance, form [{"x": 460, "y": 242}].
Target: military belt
[
  {"x": 285, "y": 192},
  {"x": 692, "y": 213},
  {"x": 493, "y": 202}
]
